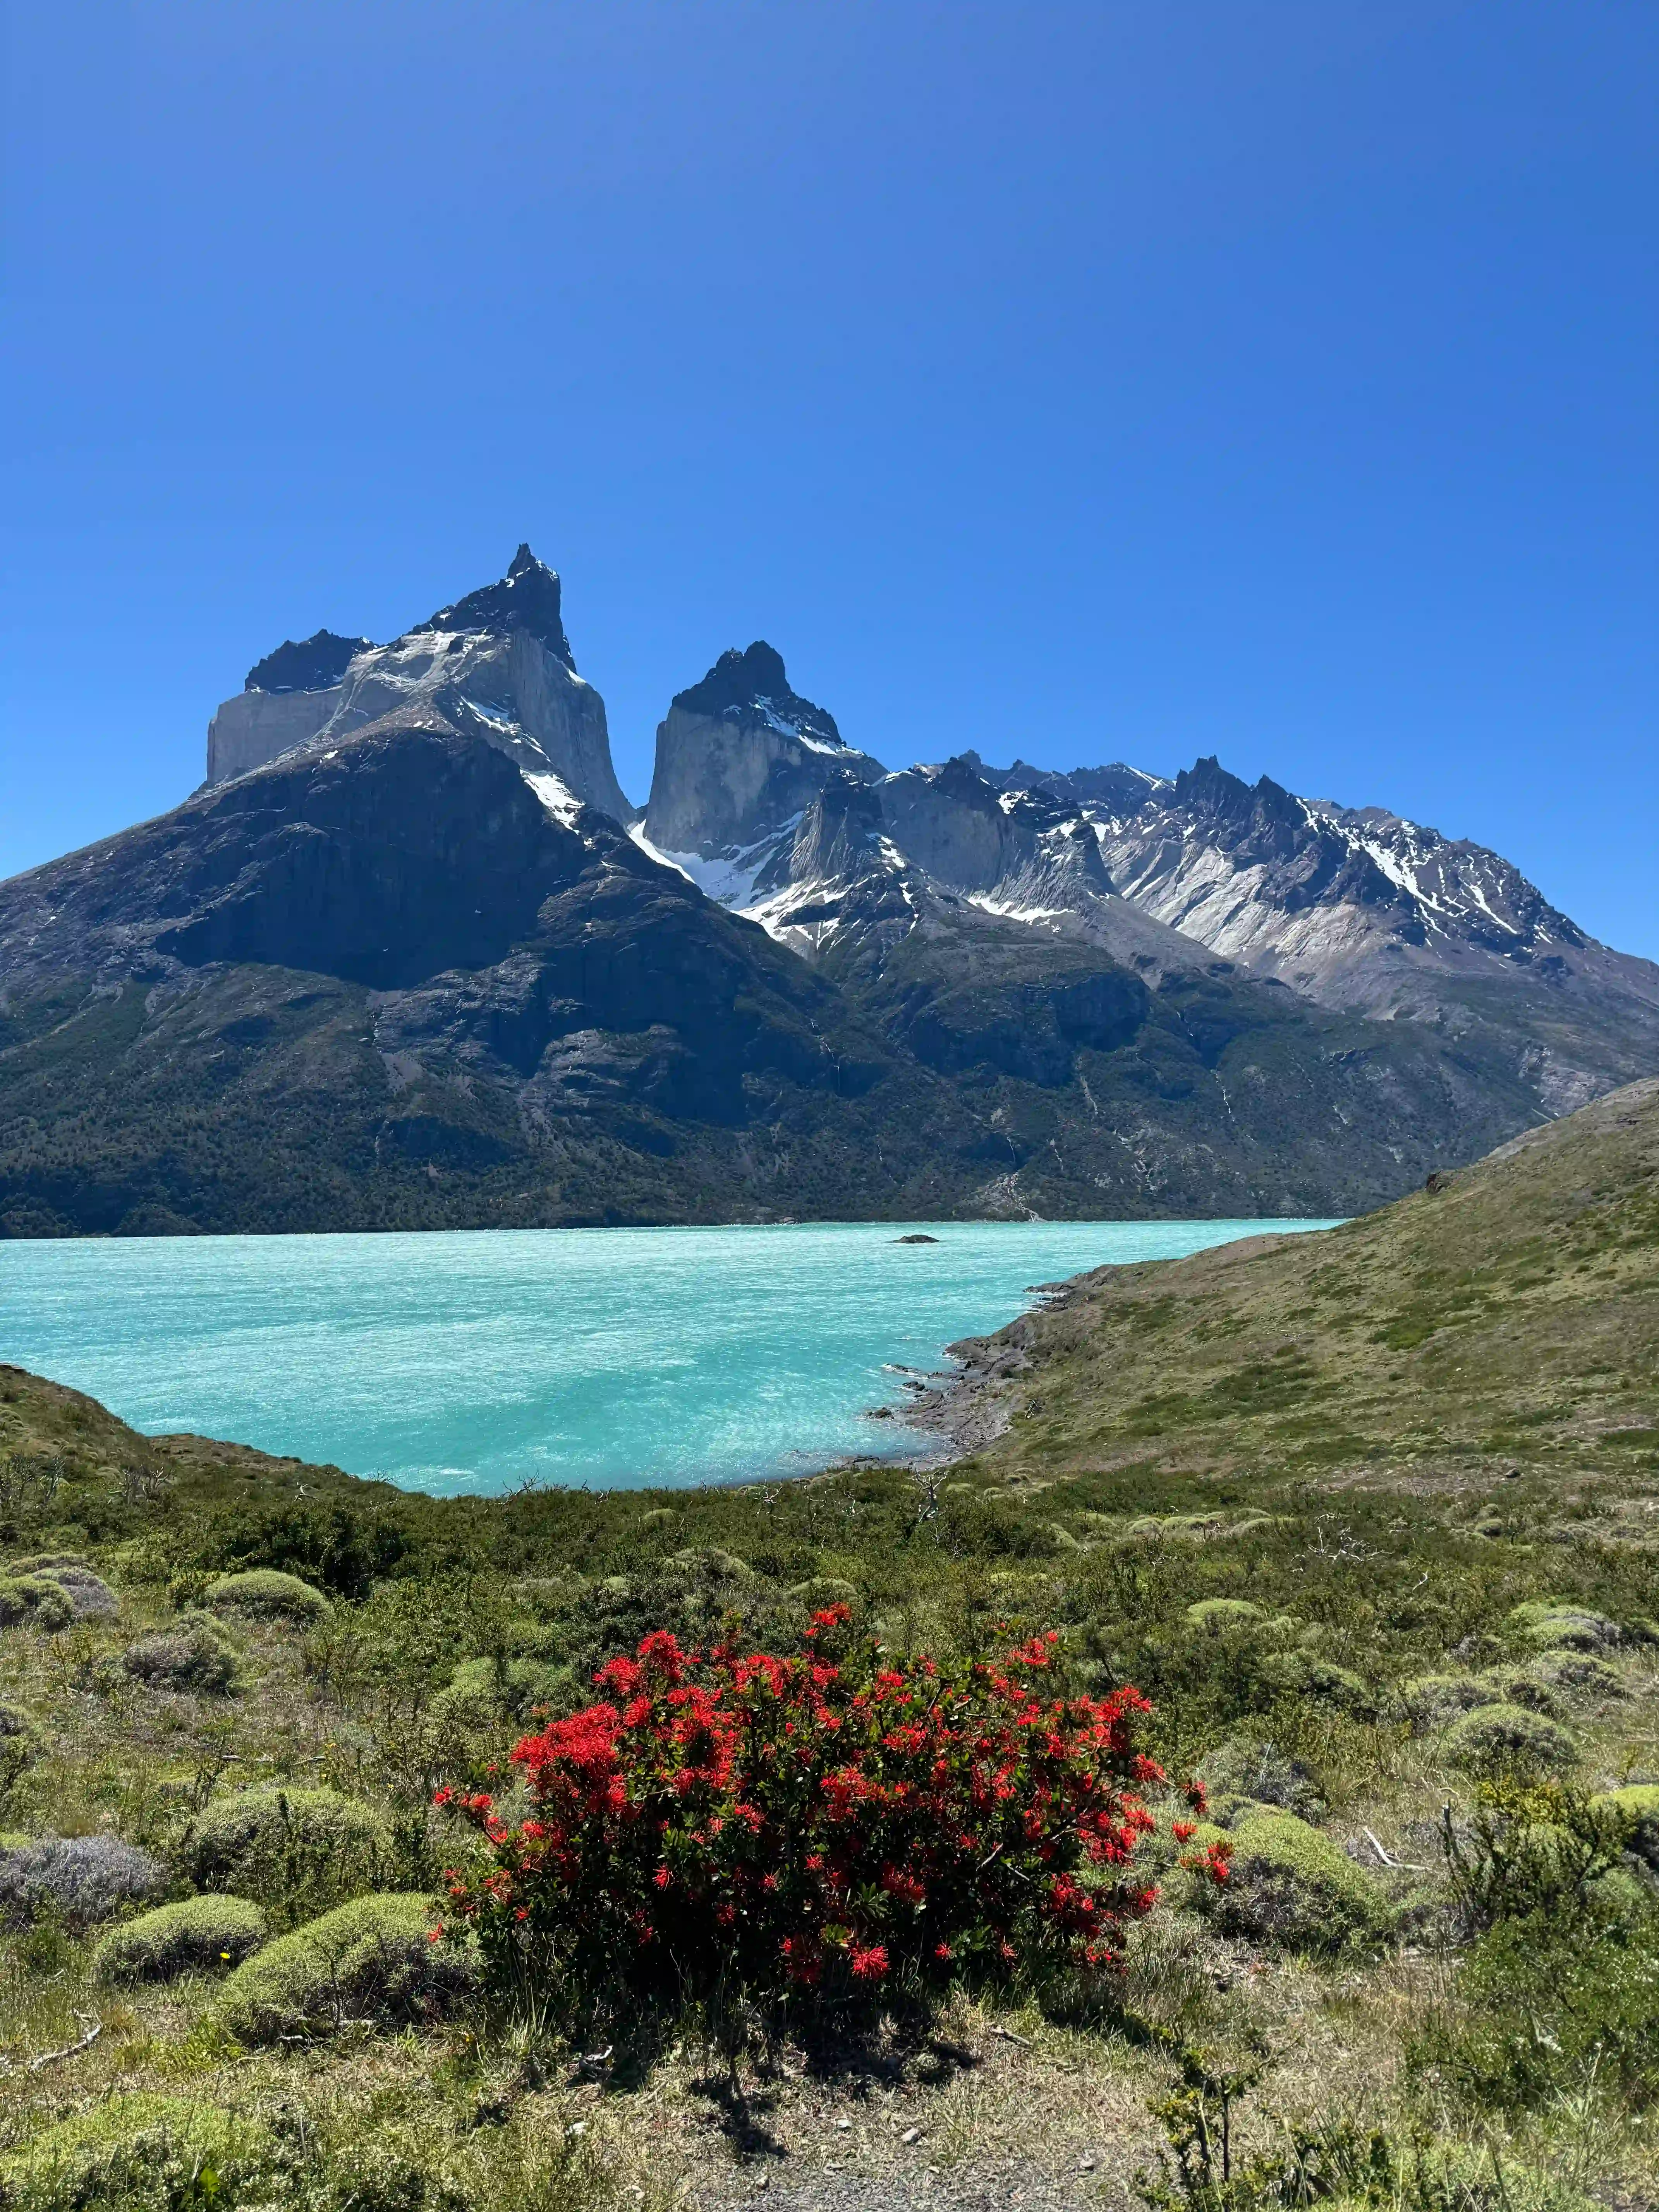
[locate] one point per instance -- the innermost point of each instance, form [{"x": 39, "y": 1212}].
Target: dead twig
[
  {"x": 1399, "y": 1866},
  {"x": 94, "y": 2028}
]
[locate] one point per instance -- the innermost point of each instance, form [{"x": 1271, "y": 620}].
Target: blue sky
[{"x": 1084, "y": 381}]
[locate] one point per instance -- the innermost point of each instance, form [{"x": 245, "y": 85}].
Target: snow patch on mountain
[
  {"x": 727, "y": 877},
  {"x": 561, "y": 802}
]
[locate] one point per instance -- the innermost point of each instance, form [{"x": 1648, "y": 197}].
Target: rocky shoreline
[{"x": 967, "y": 1410}]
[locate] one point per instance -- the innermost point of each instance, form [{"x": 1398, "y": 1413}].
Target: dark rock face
[
  {"x": 403, "y": 855},
  {"x": 316, "y": 664},
  {"x": 526, "y": 598},
  {"x": 382, "y": 982},
  {"x": 743, "y": 684}
]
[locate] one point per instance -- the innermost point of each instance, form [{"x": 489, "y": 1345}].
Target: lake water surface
[{"x": 477, "y": 1361}]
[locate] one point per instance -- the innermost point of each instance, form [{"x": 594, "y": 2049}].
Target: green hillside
[{"x": 1506, "y": 1317}]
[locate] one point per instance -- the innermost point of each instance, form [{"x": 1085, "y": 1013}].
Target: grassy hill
[{"x": 1506, "y": 1317}]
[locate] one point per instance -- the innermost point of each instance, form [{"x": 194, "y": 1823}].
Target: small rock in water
[{"x": 916, "y": 1238}]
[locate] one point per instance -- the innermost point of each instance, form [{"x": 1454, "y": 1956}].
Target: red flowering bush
[{"x": 741, "y": 1821}]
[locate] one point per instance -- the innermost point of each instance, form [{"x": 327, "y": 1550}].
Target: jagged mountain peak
[
  {"x": 495, "y": 665},
  {"x": 526, "y": 598},
  {"x": 1207, "y": 789},
  {"x": 752, "y": 683}
]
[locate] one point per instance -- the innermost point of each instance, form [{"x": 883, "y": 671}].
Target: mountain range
[{"x": 410, "y": 958}]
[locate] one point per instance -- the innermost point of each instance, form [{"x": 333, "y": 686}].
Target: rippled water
[{"x": 615, "y": 1357}]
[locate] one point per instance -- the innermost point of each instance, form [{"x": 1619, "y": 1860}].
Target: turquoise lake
[{"x": 614, "y": 1358}]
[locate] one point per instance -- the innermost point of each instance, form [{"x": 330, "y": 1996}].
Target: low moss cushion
[
  {"x": 137, "y": 2154},
  {"x": 1549, "y": 1626},
  {"x": 372, "y": 1960},
  {"x": 200, "y": 1936},
  {"x": 191, "y": 1654},
  {"x": 1500, "y": 1735},
  {"x": 1638, "y": 1804},
  {"x": 263, "y": 1842},
  {"x": 1290, "y": 1884},
  {"x": 31, "y": 1599},
  {"x": 265, "y": 1595}
]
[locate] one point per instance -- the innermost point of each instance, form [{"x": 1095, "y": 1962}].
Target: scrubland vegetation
[{"x": 333, "y": 1877}]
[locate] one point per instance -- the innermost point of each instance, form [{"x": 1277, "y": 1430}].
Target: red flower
[{"x": 818, "y": 1821}]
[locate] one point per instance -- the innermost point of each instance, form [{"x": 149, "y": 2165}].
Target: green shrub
[
  {"x": 544, "y": 1597},
  {"x": 1515, "y": 1686},
  {"x": 201, "y": 1936},
  {"x": 1245, "y": 1767},
  {"x": 480, "y": 1696},
  {"x": 1533, "y": 1848},
  {"x": 20, "y": 1744},
  {"x": 469, "y": 1703},
  {"x": 1288, "y": 1884},
  {"x": 1456, "y": 2177},
  {"x": 31, "y": 1601},
  {"x": 141, "y": 2153},
  {"x": 1304, "y": 1675},
  {"x": 709, "y": 1563},
  {"x": 820, "y": 1592},
  {"x": 264, "y": 1593},
  {"x": 192, "y": 1653},
  {"x": 1543, "y": 2006},
  {"x": 1638, "y": 1805},
  {"x": 1431, "y": 1702},
  {"x": 1336, "y": 2164},
  {"x": 1551, "y": 1627},
  {"x": 88, "y": 1593},
  {"x": 1212, "y": 1615},
  {"x": 372, "y": 1960},
  {"x": 1577, "y": 1674},
  {"x": 294, "y": 1851},
  {"x": 1499, "y": 1736}
]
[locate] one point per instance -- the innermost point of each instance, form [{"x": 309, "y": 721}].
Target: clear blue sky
[{"x": 1087, "y": 381}]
